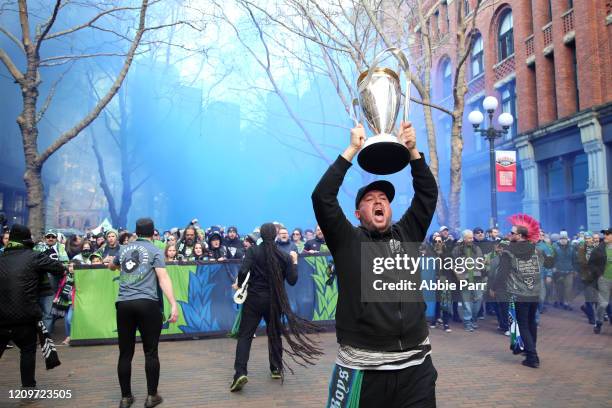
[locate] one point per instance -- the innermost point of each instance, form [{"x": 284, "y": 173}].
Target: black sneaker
[
  {"x": 276, "y": 374},
  {"x": 238, "y": 383},
  {"x": 153, "y": 401},
  {"x": 597, "y": 328},
  {"x": 532, "y": 364},
  {"x": 126, "y": 402}
]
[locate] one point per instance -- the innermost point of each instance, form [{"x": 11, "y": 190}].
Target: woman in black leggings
[
  {"x": 139, "y": 306},
  {"x": 269, "y": 268}
]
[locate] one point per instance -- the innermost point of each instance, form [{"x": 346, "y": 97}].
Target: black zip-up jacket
[
  {"x": 259, "y": 279},
  {"x": 373, "y": 326},
  {"x": 20, "y": 274}
]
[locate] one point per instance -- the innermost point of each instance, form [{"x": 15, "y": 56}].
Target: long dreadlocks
[{"x": 302, "y": 349}]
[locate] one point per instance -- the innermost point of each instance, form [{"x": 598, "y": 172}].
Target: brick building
[{"x": 548, "y": 63}]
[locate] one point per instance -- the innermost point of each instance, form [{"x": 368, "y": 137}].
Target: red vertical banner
[{"x": 505, "y": 170}]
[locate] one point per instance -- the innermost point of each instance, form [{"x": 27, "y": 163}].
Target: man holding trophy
[{"x": 384, "y": 353}]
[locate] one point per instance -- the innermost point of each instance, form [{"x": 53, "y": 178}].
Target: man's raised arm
[
  {"x": 330, "y": 217},
  {"x": 417, "y": 218}
]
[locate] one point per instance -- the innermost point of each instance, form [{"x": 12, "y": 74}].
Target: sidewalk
[{"x": 475, "y": 369}]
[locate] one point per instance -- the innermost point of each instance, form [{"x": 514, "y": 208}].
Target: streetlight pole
[{"x": 490, "y": 133}]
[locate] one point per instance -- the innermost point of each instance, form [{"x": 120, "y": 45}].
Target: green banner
[{"x": 204, "y": 295}]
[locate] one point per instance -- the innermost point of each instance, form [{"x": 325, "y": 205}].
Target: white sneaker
[{"x": 507, "y": 333}]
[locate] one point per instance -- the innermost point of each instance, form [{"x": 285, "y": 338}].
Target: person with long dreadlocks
[
  {"x": 268, "y": 268},
  {"x": 384, "y": 353}
]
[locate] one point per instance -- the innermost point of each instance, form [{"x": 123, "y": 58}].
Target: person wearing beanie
[
  {"x": 268, "y": 268},
  {"x": 111, "y": 249},
  {"x": 140, "y": 306},
  {"x": 384, "y": 344},
  {"x": 563, "y": 275},
  {"x": 233, "y": 244},
  {"x": 21, "y": 270},
  {"x": 216, "y": 251}
]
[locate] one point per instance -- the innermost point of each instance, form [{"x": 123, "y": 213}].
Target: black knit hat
[
  {"x": 21, "y": 234},
  {"x": 145, "y": 227}
]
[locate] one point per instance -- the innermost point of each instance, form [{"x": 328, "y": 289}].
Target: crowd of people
[
  {"x": 571, "y": 272},
  {"x": 567, "y": 265}
]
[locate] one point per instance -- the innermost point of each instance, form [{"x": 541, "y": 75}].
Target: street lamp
[{"x": 505, "y": 120}]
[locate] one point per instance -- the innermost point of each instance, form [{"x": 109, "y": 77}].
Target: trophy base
[{"x": 383, "y": 154}]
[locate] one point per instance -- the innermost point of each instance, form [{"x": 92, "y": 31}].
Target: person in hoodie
[
  {"x": 383, "y": 346},
  {"x": 233, "y": 244},
  {"x": 519, "y": 275},
  {"x": 21, "y": 270},
  {"x": 284, "y": 243},
  {"x": 216, "y": 251}
]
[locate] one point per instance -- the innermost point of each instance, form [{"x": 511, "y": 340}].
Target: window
[
  {"x": 575, "y": 75},
  {"x": 508, "y": 105},
  {"x": 477, "y": 57},
  {"x": 466, "y": 7},
  {"x": 580, "y": 174},
  {"x": 436, "y": 17},
  {"x": 447, "y": 82},
  {"x": 505, "y": 39},
  {"x": 18, "y": 204},
  {"x": 549, "y": 10},
  {"x": 555, "y": 181},
  {"x": 570, "y": 4}
]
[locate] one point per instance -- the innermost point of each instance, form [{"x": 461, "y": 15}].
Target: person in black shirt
[
  {"x": 268, "y": 268},
  {"x": 376, "y": 336},
  {"x": 317, "y": 244},
  {"x": 21, "y": 269}
]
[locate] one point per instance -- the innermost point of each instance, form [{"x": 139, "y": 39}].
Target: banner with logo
[
  {"x": 204, "y": 296},
  {"x": 505, "y": 170}
]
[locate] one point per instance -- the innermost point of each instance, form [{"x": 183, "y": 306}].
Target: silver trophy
[{"x": 380, "y": 95}]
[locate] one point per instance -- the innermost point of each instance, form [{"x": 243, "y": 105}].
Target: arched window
[
  {"x": 447, "y": 78},
  {"x": 477, "y": 57},
  {"x": 505, "y": 38}
]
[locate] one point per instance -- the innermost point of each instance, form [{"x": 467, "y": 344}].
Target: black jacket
[
  {"x": 255, "y": 262},
  {"x": 20, "y": 274},
  {"x": 373, "y": 326}
]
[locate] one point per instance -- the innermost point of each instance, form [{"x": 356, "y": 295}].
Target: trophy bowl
[{"x": 380, "y": 95}]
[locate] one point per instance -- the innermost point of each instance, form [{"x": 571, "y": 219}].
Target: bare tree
[{"x": 32, "y": 43}]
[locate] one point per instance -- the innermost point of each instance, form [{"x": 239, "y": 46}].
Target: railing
[
  {"x": 568, "y": 21},
  {"x": 504, "y": 68},
  {"x": 548, "y": 38},
  {"x": 529, "y": 48}
]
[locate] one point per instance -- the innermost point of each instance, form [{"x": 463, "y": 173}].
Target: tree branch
[
  {"x": 50, "y": 96},
  {"x": 12, "y": 38},
  {"x": 140, "y": 184},
  {"x": 25, "y": 25},
  {"x": 87, "y": 24},
  {"x": 47, "y": 26},
  {"x": 91, "y": 116},
  {"x": 10, "y": 65}
]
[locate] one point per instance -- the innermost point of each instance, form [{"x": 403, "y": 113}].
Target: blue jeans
[
  {"x": 471, "y": 300},
  {"x": 68, "y": 321},
  {"x": 46, "y": 304}
]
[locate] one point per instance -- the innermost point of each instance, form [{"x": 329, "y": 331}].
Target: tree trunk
[
  {"x": 459, "y": 93},
  {"x": 33, "y": 168}
]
